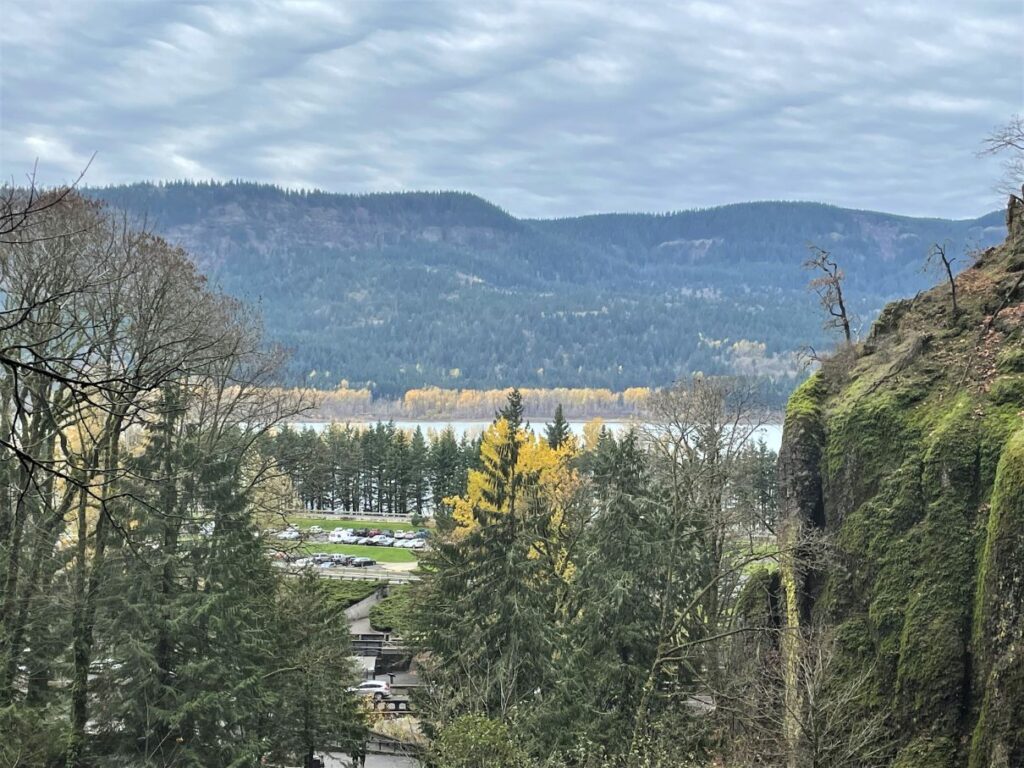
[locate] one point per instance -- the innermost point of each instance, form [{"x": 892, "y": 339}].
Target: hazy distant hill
[{"x": 405, "y": 290}]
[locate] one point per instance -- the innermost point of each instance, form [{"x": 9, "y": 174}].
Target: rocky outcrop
[{"x": 906, "y": 456}]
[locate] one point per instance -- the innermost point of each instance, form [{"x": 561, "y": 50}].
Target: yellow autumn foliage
[{"x": 544, "y": 473}]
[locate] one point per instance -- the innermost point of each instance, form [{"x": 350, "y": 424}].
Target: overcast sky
[{"x": 546, "y": 108}]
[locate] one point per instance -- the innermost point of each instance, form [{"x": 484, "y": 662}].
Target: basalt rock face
[{"x": 905, "y": 455}]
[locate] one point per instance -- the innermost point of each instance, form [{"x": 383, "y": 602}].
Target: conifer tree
[
  {"x": 483, "y": 609},
  {"x": 615, "y": 631},
  {"x": 557, "y": 432},
  {"x": 446, "y": 475},
  {"x": 312, "y": 671},
  {"x": 418, "y": 484}
]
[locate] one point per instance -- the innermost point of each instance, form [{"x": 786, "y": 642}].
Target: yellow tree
[
  {"x": 495, "y": 590},
  {"x": 522, "y": 475}
]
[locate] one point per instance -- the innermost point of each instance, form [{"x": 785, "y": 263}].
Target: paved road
[
  {"x": 348, "y": 517},
  {"x": 364, "y": 574}
]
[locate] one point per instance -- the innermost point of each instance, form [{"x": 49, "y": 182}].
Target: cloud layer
[{"x": 548, "y": 108}]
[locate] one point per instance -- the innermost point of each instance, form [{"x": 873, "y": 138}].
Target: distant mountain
[{"x": 412, "y": 289}]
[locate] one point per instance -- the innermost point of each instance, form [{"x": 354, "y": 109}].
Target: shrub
[{"x": 475, "y": 741}]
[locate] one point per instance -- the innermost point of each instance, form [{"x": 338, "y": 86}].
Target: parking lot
[{"x": 341, "y": 547}]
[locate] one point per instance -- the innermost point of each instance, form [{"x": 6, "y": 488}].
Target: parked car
[
  {"x": 418, "y": 544},
  {"x": 421, "y": 534},
  {"x": 289, "y": 535},
  {"x": 315, "y": 529},
  {"x": 363, "y": 562},
  {"x": 378, "y": 689},
  {"x": 374, "y": 532},
  {"x": 363, "y": 540}
]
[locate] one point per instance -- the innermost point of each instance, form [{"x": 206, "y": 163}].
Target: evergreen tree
[
  {"x": 482, "y": 608},
  {"x": 512, "y": 411},
  {"x": 312, "y": 672},
  {"x": 615, "y": 632},
  {"x": 418, "y": 483},
  {"x": 557, "y": 432},
  {"x": 446, "y": 476},
  {"x": 187, "y": 607}
]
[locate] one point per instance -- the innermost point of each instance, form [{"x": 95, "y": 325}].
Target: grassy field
[
  {"x": 380, "y": 554},
  {"x": 330, "y": 524}
]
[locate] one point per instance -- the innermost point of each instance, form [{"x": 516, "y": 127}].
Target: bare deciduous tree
[
  {"x": 937, "y": 256},
  {"x": 829, "y": 287},
  {"x": 830, "y": 724},
  {"x": 21, "y": 205},
  {"x": 1007, "y": 141},
  {"x": 698, "y": 433}
]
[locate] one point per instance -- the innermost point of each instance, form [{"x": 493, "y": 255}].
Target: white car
[
  {"x": 289, "y": 535},
  {"x": 418, "y": 544},
  {"x": 315, "y": 529},
  {"x": 379, "y": 689}
]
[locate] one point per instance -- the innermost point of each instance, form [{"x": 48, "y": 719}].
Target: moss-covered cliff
[{"x": 908, "y": 452}]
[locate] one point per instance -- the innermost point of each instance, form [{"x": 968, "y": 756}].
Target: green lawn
[
  {"x": 380, "y": 554},
  {"x": 331, "y": 524}
]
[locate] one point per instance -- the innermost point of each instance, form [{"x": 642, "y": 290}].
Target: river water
[{"x": 770, "y": 433}]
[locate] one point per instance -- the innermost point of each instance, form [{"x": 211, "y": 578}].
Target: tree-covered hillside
[{"x": 406, "y": 290}]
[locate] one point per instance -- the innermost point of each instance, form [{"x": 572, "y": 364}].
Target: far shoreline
[{"x": 770, "y": 417}]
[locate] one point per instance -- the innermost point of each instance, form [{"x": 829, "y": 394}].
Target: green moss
[
  {"x": 928, "y": 752},
  {"x": 888, "y": 605},
  {"x": 1007, "y": 390},
  {"x": 933, "y": 643},
  {"x": 997, "y": 426},
  {"x": 998, "y": 632},
  {"x": 1010, "y": 360},
  {"x": 923, "y": 493},
  {"x": 805, "y": 404},
  {"x": 759, "y": 595},
  {"x": 859, "y": 440}
]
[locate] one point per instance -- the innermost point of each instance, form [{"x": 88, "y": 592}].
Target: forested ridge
[{"x": 406, "y": 290}]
